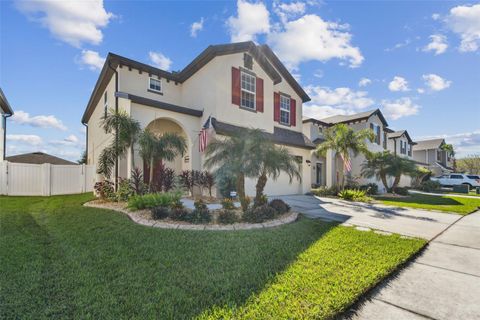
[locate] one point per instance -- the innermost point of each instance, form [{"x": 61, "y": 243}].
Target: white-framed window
[
  {"x": 403, "y": 147},
  {"x": 105, "y": 103},
  {"x": 284, "y": 109},
  {"x": 376, "y": 130},
  {"x": 248, "y": 89},
  {"x": 155, "y": 84}
]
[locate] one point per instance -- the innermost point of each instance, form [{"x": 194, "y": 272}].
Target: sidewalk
[{"x": 442, "y": 283}]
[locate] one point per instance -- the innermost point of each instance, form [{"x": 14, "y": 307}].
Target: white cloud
[
  {"x": 421, "y": 90},
  {"x": 364, "y": 82},
  {"x": 196, "y": 27},
  {"x": 74, "y": 22},
  {"x": 252, "y": 19},
  {"x": 435, "y": 82},
  {"x": 398, "y": 84},
  {"x": 41, "y": 121},
  {"x": 71, "y": 140},
  {"x": 326, "y": 102},
  {"x": 91, "y": 59},
  {"x": 399, "y": 45},
  {"x": 435, "y": 16},
  {"x": 286, "y": 11},
  {"x": 312, "y": 38},
  {"x": 438, "y": 44},
  {"x": 30, "y": 139},
  {"x": 160, "y": 60},
  {"x": 399, "y": 108},
  {"x": 465, "y": 21}
]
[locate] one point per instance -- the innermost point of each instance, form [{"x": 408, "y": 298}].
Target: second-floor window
[
  {"x": 439, "y": 155},
  {"x": 155, "y": 85},
  {"x": 284, "y": 109},
  {"x": 105, "y": 103},
  {"x": 403, "y": 147},
  {"x": 248, "y": 91},
  {"x": 376, "y": 131}
]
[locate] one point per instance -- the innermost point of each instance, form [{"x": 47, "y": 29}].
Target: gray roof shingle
[
  {"x": 38, "y": 158},
  {"x": 428, "y": 144}
]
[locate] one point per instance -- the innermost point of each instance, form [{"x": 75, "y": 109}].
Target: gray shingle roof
[
  {"x": 279, "y": 135},
  {"x": 428, "y": 144},
  {"x": 353, "y": 117},
  {"x": 38, "y": 158}
]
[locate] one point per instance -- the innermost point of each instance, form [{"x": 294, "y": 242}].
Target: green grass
[
  {"x": 61, "y": 260},
  {"x": 449, "y": 204}
]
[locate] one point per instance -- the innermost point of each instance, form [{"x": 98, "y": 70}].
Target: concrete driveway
[{"x": 406, "y": 221}]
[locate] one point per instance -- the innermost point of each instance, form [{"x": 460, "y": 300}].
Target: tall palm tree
[
  {"x": 236, "y": 154},
  {"x": 343, "y": 140},
  {"x": 165, "y": 147},
  {"x": 384, "y": 164},
  {"x": 274, "y": 160},
  {"x": 127, "y": 129},
  {"x": 377, "y": 165}
]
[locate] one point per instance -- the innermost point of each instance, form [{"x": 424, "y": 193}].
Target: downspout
[
  {"x": 395, "y": 146},
  {"x": 116, "y": 130},
  {"x": 86, "y": 140},
  {"x": 5, "y": 116}
]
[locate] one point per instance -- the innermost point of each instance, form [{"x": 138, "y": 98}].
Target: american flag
[
  {"x": 347, "y": 164},
  {"x": 204, "y": 135}
]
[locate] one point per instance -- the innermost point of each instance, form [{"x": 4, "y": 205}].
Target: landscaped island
[{"x": 60, "y": 259}]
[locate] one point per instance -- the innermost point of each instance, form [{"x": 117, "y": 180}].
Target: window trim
[
  {"x": 289, "y": 110},
  {"x": 248, "y": 74},
  {"x": 154, "y": 90},
  {"x": 105, "y": 103}
]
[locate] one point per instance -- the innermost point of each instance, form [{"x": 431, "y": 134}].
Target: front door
[{"x": 319, "y": 173}]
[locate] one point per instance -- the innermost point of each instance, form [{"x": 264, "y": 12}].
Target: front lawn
[
  {"x": 61, "y": 260},
  {"x": 452, "y": 204}
]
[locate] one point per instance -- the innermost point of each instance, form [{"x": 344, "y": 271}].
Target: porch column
[{"x": 330, "y": 168}]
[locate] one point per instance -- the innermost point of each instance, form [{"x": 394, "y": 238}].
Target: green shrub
[
  {"x": 354, "y": 195},
  {"x": 160, "y": 212},
  {"x": 259, "y": 214},
  {"x": 125, "y": 190},
  {"x": 370, "y": 188},
  {"x": 200, "y": 214},
  {"x": 325, "y": 192},
  {"x": 228, "y": 204},
  {"x": 151, "y": 200},
  {"x": 401, "y": 191},
  {"x": 261, "y": 201},
  {"x": 280, "y": 206},
  {"x": 227, "y": 217},
  {"x": 430, "y": 186},
  {"x": 179, "y": 214}
]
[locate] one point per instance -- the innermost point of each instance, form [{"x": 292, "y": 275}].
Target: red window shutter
[
  {"x": 293, "y": 112},
  {"x": 236, "y": 86},
  {"x": 276, "y": 106},
  {"x": 259, "y": 93}
]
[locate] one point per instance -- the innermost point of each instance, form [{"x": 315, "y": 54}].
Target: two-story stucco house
[
  {"x": 238, "y": 85},
  {"x": 431, "y": 153},
  {"x": 5, "y": 112},
  {"x": 328, "y": 170}
]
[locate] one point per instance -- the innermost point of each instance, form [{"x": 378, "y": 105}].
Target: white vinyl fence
[{"x": 23, "y": 179}]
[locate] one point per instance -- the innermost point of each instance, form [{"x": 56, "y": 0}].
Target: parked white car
[{"x": 455, "y": 179}]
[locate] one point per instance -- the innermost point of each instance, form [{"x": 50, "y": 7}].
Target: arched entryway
[{"x": 159, "y": 127}]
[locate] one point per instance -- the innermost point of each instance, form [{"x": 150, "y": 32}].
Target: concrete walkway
[
  {"x": 406, "y": 221},
  {"x": 442, "y": 283},
  {"x": 444, "y": 194}
]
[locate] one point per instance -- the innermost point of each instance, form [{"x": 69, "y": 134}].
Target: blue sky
[{"x": 419, "y": 61}]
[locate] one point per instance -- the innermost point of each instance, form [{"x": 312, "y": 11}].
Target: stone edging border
[{"x": 187, "y": 226}]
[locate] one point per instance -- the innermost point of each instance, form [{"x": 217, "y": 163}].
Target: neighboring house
[
  {"x": 327, "y": 171},
  {"x": 38, "y": 158},
  {"x": 5, "y": 112},
  {"x": 400, "y": 143},
  {"x": 238, "y": 85},
  {"x": 431, "y": 153}
]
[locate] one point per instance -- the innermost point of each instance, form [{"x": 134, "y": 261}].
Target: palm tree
[
  {"x": 164, "y": 147},
  {"x": 377, "y": 164},
  {"x": 384, "y": 164},
  {"x": 274, "y": 160},
  {"x": 127, "y": 130},
  {"x": 343, "y": 140},
  {"x": 401, "y": 166},
  {"x": 236, "y": 154}
]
